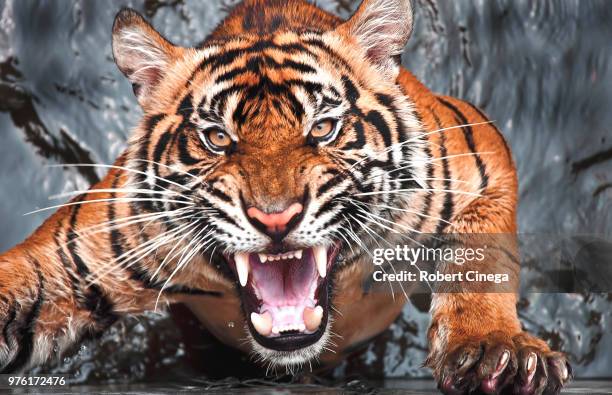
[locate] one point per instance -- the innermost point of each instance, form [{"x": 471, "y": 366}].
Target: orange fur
[{"x": 271, "y": 167}]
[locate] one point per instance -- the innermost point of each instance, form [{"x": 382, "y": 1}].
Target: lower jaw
[{"x": 292, "y": 341}]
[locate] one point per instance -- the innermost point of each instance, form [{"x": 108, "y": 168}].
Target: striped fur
[{"x": 401, "y": 162}]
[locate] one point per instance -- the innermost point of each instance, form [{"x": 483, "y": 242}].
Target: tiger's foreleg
[
  {"x": 47, "y": 306},
  {"x": 476, "y": 341},
  {"x": 65, "y": 283},
  {"x": 41, "y": 315}
]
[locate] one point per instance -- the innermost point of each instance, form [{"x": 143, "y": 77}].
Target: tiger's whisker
[
  {"x": 412, "y": 240},
  {"x": 420, "y": 136},
  {"x": 397, "y": 209},
  {"x": 141, "y": 251},
  {"x": 134, "y": 255},
  {"x": 339, "y": 232},
  {"x": 184, "y": 260},
  {"x": 120, "y": 168},
  {"x": 351, "y": 233},
  {"x": 455, "y": 180},
  {"x": 117, "y": 190},
  {"x": 169, "y": 257},
  {"x": 123, "y": 222},
  {"x": 106, "y": 200},
  {"x": 166, "y": 166},
  {"x": 104, "y": 226},
  {"x": 399, "y": 191},
  {"x": 371, "y": 232}
]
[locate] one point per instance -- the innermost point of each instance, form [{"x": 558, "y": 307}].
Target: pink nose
[{"x": 275, "y": 222}]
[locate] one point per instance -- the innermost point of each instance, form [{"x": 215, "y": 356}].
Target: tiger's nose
[{"x": 276, "y": 225}]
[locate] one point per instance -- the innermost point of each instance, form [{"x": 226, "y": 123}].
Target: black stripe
[
  {"x": 430, "y": 171},
  {"x": 25, "y": 333},
  {"x": 332, "y": 182},
  {"x": 309, "y": 86},
  {"x": 334, "y": 220},
  {"x": 116, "y": 238},
  {"x": 71, "y": 236},
  {"x": 159, "y": 183},
  {"x": 219, "y": 194},
  {"x": 253, "y": 65},
  {"x": 376, "y": 119},
  {"x": 385, "y": 100},
  {"x": 469, "y": 139},
  {"x": 360, "y": 139},
  {"x": 448, "y": 205},
  {"x": 184, "y": 155},
  {"x": 74, "y": 281},
  {"x": 159, "y": 149},
  {"x": 185, "y": 108},
  {"x": 12, "y": 313},
  {"x": 485, "y": 118},
  {"x": 231, "y": 74},
  {"x": 143, "y": 278},
  {"x": 143, "y": 153},
  {"x": 150, "y": 124},
  {"x": 327, "y": 206},
  {"x": 318, "y": 43},
  {"x": 217, "y": 102},
  {"x": 224, "y": 217},
  {"x": 228, "y": 57},
  {"x": 98, "y": 304},
  {"x": 350, "y": 91},
  {"x": 179, "y": 289},
  {"x": 292, "y": 64}
]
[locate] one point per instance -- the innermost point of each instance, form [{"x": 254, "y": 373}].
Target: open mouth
[{"x": 285, "y": 295}]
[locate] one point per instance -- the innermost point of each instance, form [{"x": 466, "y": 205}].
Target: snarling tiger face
[{"x": 275, "y": 143}]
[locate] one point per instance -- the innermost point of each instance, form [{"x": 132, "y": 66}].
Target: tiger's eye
[
  {"x": 219, "y": 138},
  {"x": 323, "y": 128}
]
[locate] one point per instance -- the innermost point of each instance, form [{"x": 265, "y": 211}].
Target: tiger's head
[{"x": 274, "y": 142}]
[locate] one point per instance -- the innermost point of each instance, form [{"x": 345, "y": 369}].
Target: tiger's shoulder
[{"x": 471, "y": 158}]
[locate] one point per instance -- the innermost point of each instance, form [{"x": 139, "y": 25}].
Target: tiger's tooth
[
  {"x": 262, "y": 323},
  {"x": 298, "y": 254},
  {"x": 263, "y": 258},
  {"x": 242, "y": 267},
  {"x": 320, "y": 257},
  {"x": 312, "y": 317}
]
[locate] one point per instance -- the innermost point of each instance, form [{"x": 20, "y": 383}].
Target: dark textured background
[{"x": 540, "y": 69}]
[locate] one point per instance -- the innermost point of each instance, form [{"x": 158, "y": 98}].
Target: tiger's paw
[{"x": 500, "y": 364}]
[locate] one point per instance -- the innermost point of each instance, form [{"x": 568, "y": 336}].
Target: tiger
[{"x": 268, "y": 161}]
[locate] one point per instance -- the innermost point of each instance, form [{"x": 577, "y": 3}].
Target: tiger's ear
[
  {"x": 141, "y": 53},
  {"x": 382, "y": 28}
]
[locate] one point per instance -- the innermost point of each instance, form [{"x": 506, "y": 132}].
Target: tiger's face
[{"x": 275, "y": 151}]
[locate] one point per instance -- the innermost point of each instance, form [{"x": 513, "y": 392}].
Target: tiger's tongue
[{"x": 286, "y": 290}]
